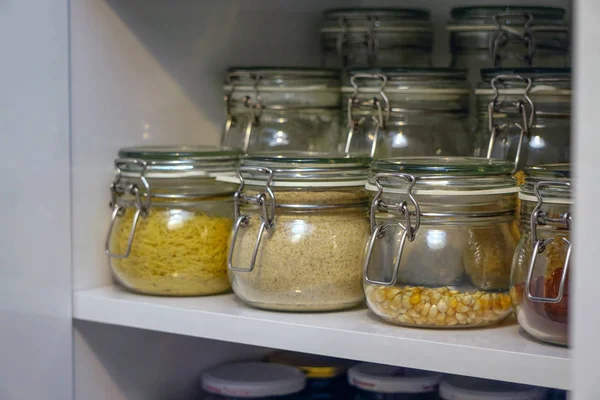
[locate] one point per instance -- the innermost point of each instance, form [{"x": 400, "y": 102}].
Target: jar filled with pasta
[
  {"x": 443, "y": 232},
  {"x": 171, "y": 220},
  {"x": 300, "y": 229},
  {"x": 376, "y": 37},
  {"x": 406, "y": 112},
  {"x": 540, "y": 272},
  {"x": 282, "y": 109}
]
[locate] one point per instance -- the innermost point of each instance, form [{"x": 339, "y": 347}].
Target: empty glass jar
[
  {"x": 540, "y": 271},
  {"x": 443, "y": 232},
  {"x": 524, "y": 115},
  {"x": 282, "y": 109},
  {"x": 406, "y": 112},
  {"x": 376, "y": 37},
  {"x": 171, "y": 220}
]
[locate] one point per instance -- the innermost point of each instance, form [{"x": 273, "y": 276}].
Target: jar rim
[
  {"x": 558, "y": 179},
  {"x": 387, "y": 12},
  {"x": 435, "y": 166},
  {"x": 283, "y": 72},
  {"x": 563, "y": 74},
  {"x": 487, "y": 12}
]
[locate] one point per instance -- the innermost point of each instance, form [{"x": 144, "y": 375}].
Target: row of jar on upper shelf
[{"x": 430, "y": 241}]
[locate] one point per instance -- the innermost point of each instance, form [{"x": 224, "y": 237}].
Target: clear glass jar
[
  {"x": 376, "y": 37},
  {"x": 465, "y": 388},
  {"x": 279, "y": 109},
  {"x": 301, "y": 225},
  {"x": 407, "y": 112},
  {"x": 384, "y": 382},
  {"x": 443, "y": 232},
  {"x": 540, "y": 271},
  {"x": 253, "y": 380},
  {"x": 524, "y": 115},
  {"x": 171, "y": 220}
]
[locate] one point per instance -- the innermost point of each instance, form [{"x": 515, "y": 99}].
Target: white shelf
[{"x": 502, "y": 353}]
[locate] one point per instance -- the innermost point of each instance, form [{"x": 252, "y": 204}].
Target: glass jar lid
[
  {"x": 488, "y": 18},
  {"x": 406, "y": 80},
  {"x": 464, "y": 388},
  {"x": 343, "y": 20},
  {"x": 272, "y": 79},
  {"x": 253, "y": 380},
  {"x": 388, "y": 379},
  {"x": 553, "y": 182},
  {"x": 313, "y": 366}
]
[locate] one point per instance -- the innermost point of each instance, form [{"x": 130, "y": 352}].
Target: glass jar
[
  {"x": 384, "y": 382},
  {"x": 300, "y": 229},
  {"x": 443, "y": 232},
  {"x": 407, "y": 112},
  {"x": 508, "y": 37},
  {"x": 540, "y": 276},
  {"x": 282, "y": 109},
  {"x": 253, "y": 380},
  {"x": 171, "y": 220},
  {"x": 524, "y": 115},
  {"x": 465, "y": 388},
  {"x": 376, "y": 37}
]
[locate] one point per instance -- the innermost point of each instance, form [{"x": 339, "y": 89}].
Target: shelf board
[{"x": 502, "y": 353}]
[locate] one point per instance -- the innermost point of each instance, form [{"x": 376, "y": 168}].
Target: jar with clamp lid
[
  {"x": 443, "y": 232},
  {"x": 407, "y": 112},
  {"x": 508, "y": 37},
  {"x": 279, "y": 109},
  {"x": 540, "y": 271},
  {"x": 299, "y": 233},
  {"x": 524, "y": 115},
  {"x": 171, "y": 220},
  {"x": 376, "y": 37}
]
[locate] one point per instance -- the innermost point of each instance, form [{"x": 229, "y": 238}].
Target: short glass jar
[
  {"x": 443, "y": 232},
  {"x": 540, "y": 271},
  {"x": 300, "y": 229},
  {"x": 524, "y": 115},
  {"x": 376, "y": 37},
  {"x": 406, "y": 112},
  {"x": 465, "y": 388},
  {"x": 282, "y": 109},
  {"x": 253, "y": 380},
  {"x": 171, "y": 220},
  {"x": 384, "y": 382}
]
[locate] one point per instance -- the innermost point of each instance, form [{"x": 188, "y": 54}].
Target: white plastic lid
[
  {"x": 463, "y": 388},
  {"x": 253, "y": 380},
  {"x": 387, "y": 379}
]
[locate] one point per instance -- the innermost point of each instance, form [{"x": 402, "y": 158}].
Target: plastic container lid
[
  {"x": 253, "y": 380},
  {"x": 388, "y": 379},
  {"x": 463, "y": 388}
]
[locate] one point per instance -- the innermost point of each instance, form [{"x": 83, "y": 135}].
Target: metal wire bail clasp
[
  {"x": 504, "y": 33},
  {"x": 378, "y": 231},
  {"x": 141, "y": 206},
  {"x": 539, "y": 217},
  {"x": 265, "y": 201}
]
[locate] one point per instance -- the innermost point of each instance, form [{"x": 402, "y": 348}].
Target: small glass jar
[
  {"x": 300, "y": 229},
  {"x": 465, "y": 388},
  {"x": 407, "y": 112},
  {"x": 524, "y": 115},
  {"x": 171, "y": 220},
  {"x": 443, "y": 232},
  {"x": 376, "y": 37},
  {"x": 540, "y": 271},
  {"x": 384, "y": 382},
  {"x": 282, "y": 109},
  {"x": 253, "y": 380}
]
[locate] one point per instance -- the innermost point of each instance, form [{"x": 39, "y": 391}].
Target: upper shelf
[{"x": 502, "y": 353}]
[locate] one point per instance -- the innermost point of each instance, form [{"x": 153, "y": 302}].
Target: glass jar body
[
  {"x": 368, "y": 395},
  {"x": 311, "y": 259}
]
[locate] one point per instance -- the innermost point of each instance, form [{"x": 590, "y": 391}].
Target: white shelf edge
[{"x": 501, "y": 353}]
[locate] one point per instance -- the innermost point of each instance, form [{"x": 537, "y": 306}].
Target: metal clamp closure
[
  {"x": 380, "y": 118},
  {"x": 504, "y": 33},
  {"x": 141, "y": 207},
  {"x": 539, "y": 217},
  {"x": 266, "y": 202},
  {"x": 527, "y": 115},
  {"x": 378, "y": 231}
]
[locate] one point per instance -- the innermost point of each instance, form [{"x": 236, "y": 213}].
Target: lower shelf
[{"x": 503, "y": 353}]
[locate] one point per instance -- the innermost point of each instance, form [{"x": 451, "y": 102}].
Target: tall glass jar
[
  {"x": 282, "y": 109},
  {"x": 171, "y": 220},
  {"x": 540, "y": 271},
  {"x": 299, "y": 234},
  {"x": 443, "y": 232},
  {"x": 406, "y": 112},
  {"x": 524, "y": 115},
  {"x": 376, "y": 37}
]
